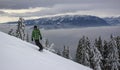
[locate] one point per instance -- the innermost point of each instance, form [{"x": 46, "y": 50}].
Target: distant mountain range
[
  {"x": 113, "y": 20},
  {"x": 68, "y": 21}
]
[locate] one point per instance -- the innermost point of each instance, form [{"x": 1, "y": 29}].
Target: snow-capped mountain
[
  {"x": 113, "y": 20},
  {"x": 68, "y": 21},
  {"x": 16, "y": 54}
]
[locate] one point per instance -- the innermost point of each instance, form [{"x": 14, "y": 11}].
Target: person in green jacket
[{"x": 36, "y": 36}]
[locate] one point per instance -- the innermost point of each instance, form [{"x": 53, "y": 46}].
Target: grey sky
[
  {"x": 52, "y": 7},
  {"x": 20, "y": 4}
]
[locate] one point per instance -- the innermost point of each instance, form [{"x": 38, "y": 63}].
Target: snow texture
[{"x": 16, "y": 54}]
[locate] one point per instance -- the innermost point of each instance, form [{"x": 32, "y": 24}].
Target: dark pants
[{"x": 39, "y": 44}]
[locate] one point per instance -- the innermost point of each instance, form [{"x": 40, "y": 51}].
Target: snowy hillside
[{"x": 16, "y": 54}]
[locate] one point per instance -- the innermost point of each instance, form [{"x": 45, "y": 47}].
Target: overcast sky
[{"x": 10, "y": 10}]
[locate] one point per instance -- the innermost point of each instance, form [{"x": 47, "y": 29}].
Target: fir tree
[
  {"x": 20, "y": 32},
  {"x": 66, "y": 52},
  {"x": 105, "y": 53},
  {"x": 47, "y": 43},
  {"x": 95, "y": 58},
  {"x": 117, "y": 39},
  {"x": 27, "y": 37},
  {"x": 48, "y": 46},
  {"x": 88, "y": 55},
  {"x": 58, "y": 52},
  {"x": 11, "y": 32},
  {"x": 112, "y": 58},
  {"x": 98, "y": 44},
  {"x": 82, "y": 53}
]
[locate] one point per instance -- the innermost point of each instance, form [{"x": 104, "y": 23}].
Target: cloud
[
  {"x": 4, "y": 19},
  {"x": 25, "y": 4},
  {"x": 1, "y": 12},
  {"x": 38, "y": 8},
  {"x": 66, "y": 8},
  {"x": 21, "y": 11},
  {"x": 22, "y": 4}
]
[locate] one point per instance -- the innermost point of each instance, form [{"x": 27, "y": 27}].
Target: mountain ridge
[
  {"x": 67, "y": 21},
  {"x": 112, "y": 20}
]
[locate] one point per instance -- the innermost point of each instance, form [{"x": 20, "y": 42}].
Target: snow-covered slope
[{"x": 16, "y": 54}]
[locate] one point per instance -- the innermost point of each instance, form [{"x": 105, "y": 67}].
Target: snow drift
[{"x": 16, "y": 54}]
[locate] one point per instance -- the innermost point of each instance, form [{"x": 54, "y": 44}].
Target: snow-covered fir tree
[
  {"x": 105, "y": 53},
  {"x": 58, "y": 52},
  {"x": 95, "y": 58},
  {"x": 20, "y": 32},
  {"x": 27, "y": 38},
  {"x": 112, "y": 57},
  {"x": 117, "y": 39},
  {"x": 48, "y": 46},
  {"x": 11, "y": 32},
  {"x": 65, "y": 52},
  {"x": 47, "y": 43},
  {"x": 99, "y": 45},
  {"x": 82, "y": 53},
  {"x": 88, "y": 55}
]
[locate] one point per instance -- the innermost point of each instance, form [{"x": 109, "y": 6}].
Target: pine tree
[
  {"x": 27, "y": 37},
  {"x": 117, "y": 39},
  {"x": 88, "y": 55},
  {"x": 82, "y": 53},
  {"x": 48, "y": 46},
  {"x": 20, "y": 32},
  {"x": 58, "y": 52},
  {"x": 11, "y": 32},
  {"x": 47, "y": 43},
  {"x": 105, "y": 53},
  {"x": 66, "y": 52},
  {"x": 112, "y": 58},
  {"x": 98, "y": 44},
  {"x": 95, "y": 58}
]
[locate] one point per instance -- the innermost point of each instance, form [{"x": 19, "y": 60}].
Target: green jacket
[{"x": 36, "y": 35}]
